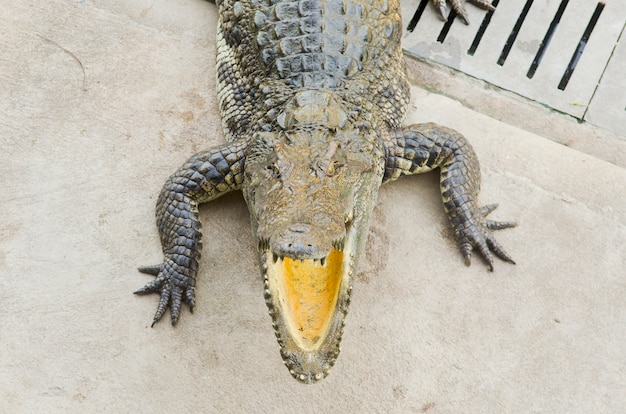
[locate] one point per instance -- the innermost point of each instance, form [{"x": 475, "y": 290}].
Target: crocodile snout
[
  {"x": 300, "y": 228},
  {"x": 298, "y": 242}
]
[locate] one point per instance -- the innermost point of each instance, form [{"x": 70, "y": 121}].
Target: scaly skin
[
  {"x": 312, "y": 96},
  {"x": 459, "y": 8}
]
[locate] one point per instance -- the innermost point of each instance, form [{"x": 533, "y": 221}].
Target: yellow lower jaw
[{"x": 308, "y": 294}]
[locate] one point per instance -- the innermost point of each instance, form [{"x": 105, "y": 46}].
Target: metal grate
[{"x": 567, "y": 54}]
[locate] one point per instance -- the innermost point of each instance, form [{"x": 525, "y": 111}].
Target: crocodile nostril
[{"x": 291, "y": 245}]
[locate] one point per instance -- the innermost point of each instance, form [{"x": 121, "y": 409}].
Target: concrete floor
[{"x": 100, "y": 101}]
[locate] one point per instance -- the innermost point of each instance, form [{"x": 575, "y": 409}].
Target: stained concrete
[
  {"x": 101, "y": 101},
  {"x": 594, "y": 91}
]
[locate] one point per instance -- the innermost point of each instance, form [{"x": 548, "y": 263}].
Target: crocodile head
[{"x": 310, "y": 192}]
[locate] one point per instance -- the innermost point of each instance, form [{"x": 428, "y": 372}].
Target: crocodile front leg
[
  {"x": 459, "y": 9},
  {"x": 204, "y": 177},
  {"x": 423, "y": 147}
]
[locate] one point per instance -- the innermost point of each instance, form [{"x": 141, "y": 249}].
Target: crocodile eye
[
  {"x": 334, "y": 168},
  {"x": 273, "y": 170}
]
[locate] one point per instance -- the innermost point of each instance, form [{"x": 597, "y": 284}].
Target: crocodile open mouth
[
  {"x": 307, "y": 291},
  {"x": 308, "y": 300}
]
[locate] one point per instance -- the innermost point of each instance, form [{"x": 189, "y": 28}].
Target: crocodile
[{"x": 312, "y": 96}]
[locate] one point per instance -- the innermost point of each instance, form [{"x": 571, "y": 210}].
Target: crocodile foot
[
  {"x": 174, "y": 286},
  {"x": 459, "y": 8},
  {"x": 477, "y": 236}
]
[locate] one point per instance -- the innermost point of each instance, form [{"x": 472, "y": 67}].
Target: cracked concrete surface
[{"x": 100, "y": 101}]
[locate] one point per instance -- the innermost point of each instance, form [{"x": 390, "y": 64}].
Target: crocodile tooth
[
  {"x": 274, "y": 257},
  {"x": 349, "y": 218},
  {"x": 339, "y": 244},
  {"x": 263, "y": 244}
]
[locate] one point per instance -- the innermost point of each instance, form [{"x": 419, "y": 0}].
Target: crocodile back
[
  {"x": 313, "y": 44},
  {"x": 268, "y": 50}
]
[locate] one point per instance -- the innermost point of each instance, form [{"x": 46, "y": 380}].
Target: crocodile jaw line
[{"x": 308, "y": 300}]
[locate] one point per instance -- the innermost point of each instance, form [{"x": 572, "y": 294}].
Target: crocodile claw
[
  {"x": 443, "y": 11},
  {"x": 477, "y": 236},
  {"x": 173, "y": 286},
  {"x": 459, "y": 8}
]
